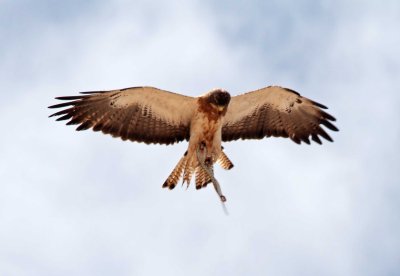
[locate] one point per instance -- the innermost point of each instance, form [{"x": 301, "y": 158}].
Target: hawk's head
[{"x": 219, "y": 98}]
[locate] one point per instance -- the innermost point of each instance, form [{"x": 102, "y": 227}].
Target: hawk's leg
[
  {"x": 205, "y": 163},
  {"x": 203, "y": 149}
]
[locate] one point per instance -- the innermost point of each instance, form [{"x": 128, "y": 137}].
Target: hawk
[{"x": 155, "y": 116}]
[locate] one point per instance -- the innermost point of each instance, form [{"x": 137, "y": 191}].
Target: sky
[{"x": 82, "y": 203}]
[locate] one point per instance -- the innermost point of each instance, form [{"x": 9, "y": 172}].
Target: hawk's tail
[
  {"x": 176, "y": 174},
  {"x": 224, "y": 161},
  {"x": 185, "y": 169}
]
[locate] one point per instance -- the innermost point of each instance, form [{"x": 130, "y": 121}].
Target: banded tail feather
[{"x": 185, "y": 170}]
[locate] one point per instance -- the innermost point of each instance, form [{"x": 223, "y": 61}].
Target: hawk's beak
[{"x": 220, "y": 108}]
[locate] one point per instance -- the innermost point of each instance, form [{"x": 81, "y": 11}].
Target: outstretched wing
[
  {"x": 276, "y": 111},
  {"x": 142, "y": 114}
]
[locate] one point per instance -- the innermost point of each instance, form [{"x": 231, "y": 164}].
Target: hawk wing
[
  {"x": 142, "y": 114},
  {"x": 276, "y": 111}
]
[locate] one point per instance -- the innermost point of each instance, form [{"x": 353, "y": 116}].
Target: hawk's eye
[{"x": 222, "y": 99}]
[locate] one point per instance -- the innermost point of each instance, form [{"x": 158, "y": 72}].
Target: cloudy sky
[{"x": 87, "y": 204}]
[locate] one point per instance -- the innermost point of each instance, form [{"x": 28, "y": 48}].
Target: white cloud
[{"x": 83, "y": 203}]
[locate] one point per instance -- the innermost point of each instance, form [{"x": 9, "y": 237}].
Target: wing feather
[
  {"x": 141, "y": 114},
  {"x": 279, "y": 112}
]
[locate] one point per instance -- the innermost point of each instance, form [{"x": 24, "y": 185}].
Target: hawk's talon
[{"x": 206, "y": 168}]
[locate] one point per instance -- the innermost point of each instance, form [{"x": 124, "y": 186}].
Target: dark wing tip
[
  {"x": 65, "y": 117},
  {"x": 291, "y": 91},
  {"x": 133, "y": 87},
  {"x": 316, "y": 139},
  {"x": 319, "y": 105},
  {"x": 327, "y": 116},
  {"x": 305, "y": 140},
  {"x": 85, "y": 125},
  {"x": 325, "y": 135},
  {"x": 92, "y": 92},
  {"x": 61, "y": 105},
  {"x": 295, "y": 139},
  {"x": 325, "y": 120},
  {"x": 329, "y": 125},
  {"x": 68, "y": 98}
]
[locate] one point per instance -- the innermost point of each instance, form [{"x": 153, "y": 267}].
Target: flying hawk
[{"x": 155, "y": 116}]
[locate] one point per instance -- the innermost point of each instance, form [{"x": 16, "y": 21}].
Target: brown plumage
[
  {"x": 279, "y": 112},
  {"x": 141, "y": 114},
  {"x": 154, "y": 116}
]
